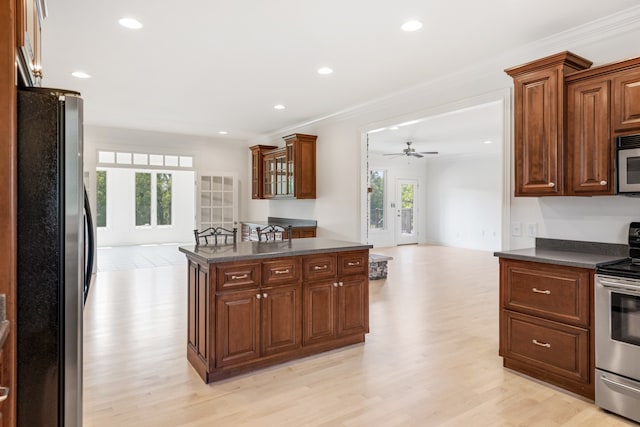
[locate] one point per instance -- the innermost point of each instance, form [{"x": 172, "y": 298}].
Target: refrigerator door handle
[{"x": 90, "y": 244}]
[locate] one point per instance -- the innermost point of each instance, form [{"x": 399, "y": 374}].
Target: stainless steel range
[{"x": 617, "y": 332}]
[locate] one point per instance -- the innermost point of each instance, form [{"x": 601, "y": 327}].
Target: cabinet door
[
  {"x": 589, "y": 145},
  {"x": 256, "y": 163},
  {"x": 198, "y": 321},
  {"x": 29, "y": 16},
  {"x": 281, "y": 319},
  {"x": 353, "y": 305},
  {"x": 319, "y": 312},
  {"x": 237, "y": 327},
  {"x": 268, "y": 176},
  {"x": 281, "y": 174},
  {"x": 537, "y": 144},
  {"x": 626, "y": 107}
]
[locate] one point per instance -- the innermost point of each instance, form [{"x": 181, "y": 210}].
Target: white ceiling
[{"x": 203, "y": 66}]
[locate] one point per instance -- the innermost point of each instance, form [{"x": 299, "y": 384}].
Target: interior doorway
[{"x": 406, "y": 211}]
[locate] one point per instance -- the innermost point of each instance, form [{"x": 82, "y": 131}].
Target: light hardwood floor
[{"x": 431, "y": 359}]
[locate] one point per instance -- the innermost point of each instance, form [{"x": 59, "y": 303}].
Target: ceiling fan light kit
[{"x": 411, "y": 152}]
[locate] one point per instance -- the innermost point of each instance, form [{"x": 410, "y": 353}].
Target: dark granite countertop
[
  {"x": 272, "y": 249},
  {"x": 571, "y": 253},
  {"x": 295, "y": 223}
]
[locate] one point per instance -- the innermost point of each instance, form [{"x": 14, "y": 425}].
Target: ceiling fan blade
[
  {"x": 429, "y": 152},
  {"x": 416, "y": 155},
  {"x": 394, "y": 154}
]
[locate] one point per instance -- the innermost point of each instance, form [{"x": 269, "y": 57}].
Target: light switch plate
[
  {"x": 532, "y": 230},
  {"x": 516, "y": 229}
]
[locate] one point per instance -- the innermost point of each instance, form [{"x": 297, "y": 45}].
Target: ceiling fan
[{"x": 411, "y": 152}]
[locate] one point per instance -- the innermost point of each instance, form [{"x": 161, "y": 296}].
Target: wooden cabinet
[
  {"x": 590, "y": 151},
  {"x": 335, "y": 298},
  {"x": 303, "y": 232},
  {"x": 257, "y": 167},
  {"x": 29, "y": 17},
  {"x": 288, "y": 172},
  {"x": 249, "y": 314},
  {"x": 626, "y": 106},
  {"x": 546, "y": 323},
  {"x": 539, "y": 123}
]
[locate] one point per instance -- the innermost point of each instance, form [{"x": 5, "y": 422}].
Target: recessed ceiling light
[
  {"x": 488, "y": 142},
  {"x": 80, "y": 75},
  {"x": 325, "y": 70},
  {"x": 223, "y": 132},
  {"x": 134, "y": 24},
  {"x": 394, "y": 128},
  {"x": 279, "y": 107},
  {"x": 411, "y": 26}
]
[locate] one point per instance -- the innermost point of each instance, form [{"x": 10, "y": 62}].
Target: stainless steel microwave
[{"x": 628, "y": 162}]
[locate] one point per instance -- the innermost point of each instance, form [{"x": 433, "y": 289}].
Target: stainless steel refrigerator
[{"x": 52, "y": 259}]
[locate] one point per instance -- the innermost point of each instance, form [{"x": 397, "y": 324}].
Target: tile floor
[{"x": 115, "y": 258}]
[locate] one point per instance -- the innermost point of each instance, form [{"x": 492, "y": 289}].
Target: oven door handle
[
  {"x": 620, "y": 385},
  {"x": 620, "y": 287}
]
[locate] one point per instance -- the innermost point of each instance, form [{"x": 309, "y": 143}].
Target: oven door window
[
  {"x": 633, "y": 170},
  {"x": 625, "y": 318}
]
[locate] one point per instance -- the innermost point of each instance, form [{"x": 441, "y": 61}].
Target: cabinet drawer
[
  {"x": 281, "y": 271},
  {"x": 550, "y": 291},
  {"x": 353, "y": 263},
  {"x": 318, "y": 266},
  {"x": 552, "y": 347},
  {"x": 237, "y": 276}
]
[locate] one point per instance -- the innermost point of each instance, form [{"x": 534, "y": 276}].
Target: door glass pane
[
  {"x": 228, "y": 199},
  {"x": 101, "y": 198},
  {"x": 407, "y": 208},
  {"x": 216, "y": 198},
  {"x": 205, "y": 183},
  {"x": 216, "y": 183},
  {"x": 216, "y": 215},
  {"x": 205, "y": 214},
  {"x": 376, "y": 200},
  {"x": 228, "y": 214},
  {"x": 228, "y": 183},
  {"x": 163, "y": 198},
  {"x": 143, "y": 198}
]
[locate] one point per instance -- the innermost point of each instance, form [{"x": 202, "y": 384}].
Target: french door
[
  {"x": 406, "y": 211},
  {"x": 217, "y": 201}
]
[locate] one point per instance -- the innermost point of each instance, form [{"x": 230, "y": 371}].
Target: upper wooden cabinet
[
  {"x": 589, "y": 148},
  {"x": 288, "y": 172},
  {"x": 539, "y": 123},
  {"x": 626, "y": 106},
  {"x": 29, "y": 17}
]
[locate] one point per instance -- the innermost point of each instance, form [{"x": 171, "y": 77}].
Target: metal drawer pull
[
  {"x": 351, "y": 264},
  {"x": 4, "y": 393},
  {"x": 538, "y": 291},
  {"x": 281, "y": 271},
  {"x": 617, "y": 384},
  {"x": 242, "y": 276},
  {"x": 317, "y": 267},
  {"x": 541, "y": 344},
  {"x": 258, "y": 296},
  {"x": 264, "y": 295},
  {"x": 335, "y": 285}
]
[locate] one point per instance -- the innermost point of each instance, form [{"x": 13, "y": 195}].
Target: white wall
[
  {"x": 399, "y": 168},
  {"x": 464, "y": 201},
  {"x": 210, "y": 155}
]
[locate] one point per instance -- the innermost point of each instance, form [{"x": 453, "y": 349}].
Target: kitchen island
[{"x": 255, "y": 304}]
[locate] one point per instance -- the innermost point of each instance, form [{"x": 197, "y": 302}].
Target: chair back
[
  {"x": 215, "y": 236},
  {"x": 274, "y": 232}
]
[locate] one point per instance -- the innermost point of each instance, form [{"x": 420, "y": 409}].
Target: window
[
  {"x": 101, "y": 198},
  {"x": 376, "y": 199},
  {"x": 144, "y": 159},
  {"x": 163, "y": 198},
  {"x": 143, "y": 198},
  {"x": 153, "y": 199}
]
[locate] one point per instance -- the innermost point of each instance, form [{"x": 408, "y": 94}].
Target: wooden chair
[
  {"x": 274, "y": 232},
  {"x": 215, "y": 234}
]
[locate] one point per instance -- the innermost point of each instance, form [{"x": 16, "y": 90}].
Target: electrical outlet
[
  {"x": 532, "y": 230},
  {"x": 516, "y": 229}
]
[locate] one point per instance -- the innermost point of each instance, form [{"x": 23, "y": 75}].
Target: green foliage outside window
[
  {"x": 101, "y": 198},
  {"x": 376, "y": 199},
  {"x": 163, "y": 194},
  {"x": 143, "y": 198},
  {"x": 407, "y": 196}
]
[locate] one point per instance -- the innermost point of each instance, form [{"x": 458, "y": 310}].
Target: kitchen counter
[
  {"x": 294, "y": 223},
  {"x": 570, "y": 253},
  {"x": 258, "y": 250}
]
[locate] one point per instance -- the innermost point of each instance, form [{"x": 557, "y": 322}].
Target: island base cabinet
[{"x": 248, "y": 315}]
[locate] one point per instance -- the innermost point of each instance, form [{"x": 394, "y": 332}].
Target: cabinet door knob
[
  {"x": 603, "y": 183},
  {"x": 335, "y": 285},
  {"x": 264, "y": 295},
  {"x": 258, "y": 296},
  {"x": 4, "y": 393},
  {"x": 552, "y": 184},
  {"x": 340, "y": 284}
]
